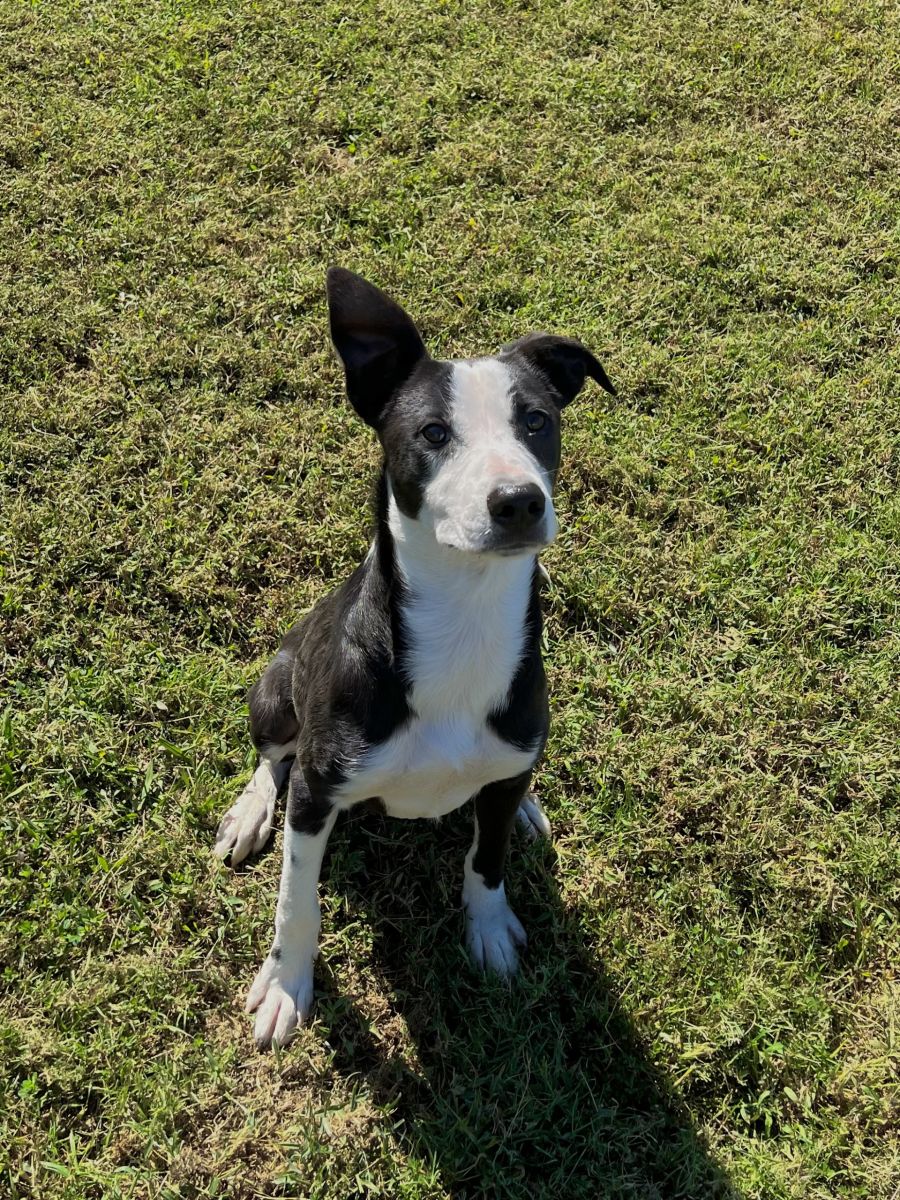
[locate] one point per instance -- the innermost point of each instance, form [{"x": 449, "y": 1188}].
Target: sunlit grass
[{"x": 708, "y": 196}]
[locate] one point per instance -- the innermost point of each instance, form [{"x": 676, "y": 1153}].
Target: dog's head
[{"x": 472, "y": 446}]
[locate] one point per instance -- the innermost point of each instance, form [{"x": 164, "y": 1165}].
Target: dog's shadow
[{"x": 535, "y": 1089}]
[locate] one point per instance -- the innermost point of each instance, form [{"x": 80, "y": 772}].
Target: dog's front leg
[
  {"x": 282, "y": 992},
  {"x": 493, "y": 930}
]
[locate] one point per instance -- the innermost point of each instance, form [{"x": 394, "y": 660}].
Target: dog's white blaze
[{"x": 484, "y": 454}]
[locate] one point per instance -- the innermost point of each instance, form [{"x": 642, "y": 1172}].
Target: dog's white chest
[
  {"x": 466, "y": 631},
  {"x": 429, "y": 768}
]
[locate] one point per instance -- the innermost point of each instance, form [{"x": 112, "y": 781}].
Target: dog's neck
[{"x": 464, "y": 617}]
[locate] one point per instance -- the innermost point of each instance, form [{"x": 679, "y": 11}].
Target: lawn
[{"x": 708, "y": 195}]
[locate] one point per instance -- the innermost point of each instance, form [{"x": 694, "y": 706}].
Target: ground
[{"x": 707, "y": 195}]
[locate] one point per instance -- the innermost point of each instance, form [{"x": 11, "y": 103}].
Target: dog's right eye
[{"x": 436, "y": 433}]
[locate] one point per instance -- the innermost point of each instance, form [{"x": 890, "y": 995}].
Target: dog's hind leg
[{"x": 246, "y": 826}]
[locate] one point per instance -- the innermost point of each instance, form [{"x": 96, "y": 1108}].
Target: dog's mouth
[
  {"x": 514, "y": 549},
  {"x": 494, "y": 546}
]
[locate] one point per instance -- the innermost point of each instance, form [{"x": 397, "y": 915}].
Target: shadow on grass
[{"x": 539, "y": 1089}]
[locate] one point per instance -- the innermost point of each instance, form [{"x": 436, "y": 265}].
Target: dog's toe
[{"x": 532, "y": 819}]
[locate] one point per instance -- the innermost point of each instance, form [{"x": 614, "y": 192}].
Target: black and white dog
[{"x": 417, "y": 684}]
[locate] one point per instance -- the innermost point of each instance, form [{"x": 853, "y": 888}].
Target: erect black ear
[
  {"x": 376, "y": 341},
  {"x": 563, "y": 361}
]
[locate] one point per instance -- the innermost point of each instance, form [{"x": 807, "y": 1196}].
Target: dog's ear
[
  {"x": 376, "y": 341},
  {"x": 562, "y": 361}
]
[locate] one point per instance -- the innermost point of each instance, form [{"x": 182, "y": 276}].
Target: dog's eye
[
  {"x": 436, "y": 433},
  {"x": 535, "y": 420}
]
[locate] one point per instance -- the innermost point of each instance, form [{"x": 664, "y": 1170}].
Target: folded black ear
[
  {"x": 376, "y": 341},
  {"x": 563, "y": 361}
]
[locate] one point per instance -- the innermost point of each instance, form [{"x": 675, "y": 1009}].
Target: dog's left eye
[
  {"x": 535, "y": 420},
  {"x": 436, "y": 433}
]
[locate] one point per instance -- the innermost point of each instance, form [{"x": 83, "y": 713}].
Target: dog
[{"x": 417, "y": 685}]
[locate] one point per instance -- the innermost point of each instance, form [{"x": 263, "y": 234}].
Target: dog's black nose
[{"x": 516, "y": 508}]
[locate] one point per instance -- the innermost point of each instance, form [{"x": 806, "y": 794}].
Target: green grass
[{"x": 707, "y": 194}]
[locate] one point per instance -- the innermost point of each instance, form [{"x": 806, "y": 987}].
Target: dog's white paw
[
  {"x": 493, "y": 931},
  {"x": 246, "y": 826},
  {"x": 532, "y": 819},
  {"x": 281, "y": 996}
]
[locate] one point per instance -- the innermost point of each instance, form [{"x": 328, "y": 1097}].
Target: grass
[{"x": 707, "y": 194}]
